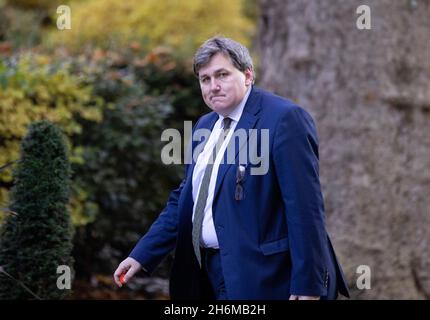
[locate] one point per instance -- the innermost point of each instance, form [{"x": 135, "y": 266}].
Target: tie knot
[{"x": 226, "y": 123}]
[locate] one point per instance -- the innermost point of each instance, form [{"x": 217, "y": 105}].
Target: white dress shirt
[{"x": 209, "y": 237}]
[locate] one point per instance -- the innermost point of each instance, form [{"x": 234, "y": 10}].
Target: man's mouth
[{"x": 216, "y": 97}]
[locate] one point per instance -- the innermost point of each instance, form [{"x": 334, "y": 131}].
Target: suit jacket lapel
[{"x": 247, "y": 121}]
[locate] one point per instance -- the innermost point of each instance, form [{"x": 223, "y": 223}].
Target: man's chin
[
  {"x": 220, "y": 108},
  {"x": 221, "y": 111}
]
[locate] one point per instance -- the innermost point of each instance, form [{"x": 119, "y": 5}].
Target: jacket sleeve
[
  {"x": 295, "y": 156},
  {"x": 160, "y": 239}
]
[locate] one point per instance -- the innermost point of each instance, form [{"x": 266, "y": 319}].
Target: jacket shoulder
[{"x": 278, "y": 106}]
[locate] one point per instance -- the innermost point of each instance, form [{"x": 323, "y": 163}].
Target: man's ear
[{"x": 249, "y": 77}]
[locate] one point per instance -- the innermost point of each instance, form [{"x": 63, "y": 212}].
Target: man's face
[{"x": 223, "y": 86}]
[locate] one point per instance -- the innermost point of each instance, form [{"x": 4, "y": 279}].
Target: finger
[
  {"x": 116, "y": 277},
  {"x": 130, "y": 273},
  {"x": 116, "y": 280},
  {"x": 118, "y": 272}
]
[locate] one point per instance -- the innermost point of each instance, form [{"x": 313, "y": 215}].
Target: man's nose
[{"x": 215, "y": 85}]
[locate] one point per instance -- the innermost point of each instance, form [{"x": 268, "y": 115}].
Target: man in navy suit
[{"x": 239, "y": 232}]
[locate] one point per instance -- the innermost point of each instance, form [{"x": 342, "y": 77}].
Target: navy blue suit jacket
[{"x": 273, "y": 242}]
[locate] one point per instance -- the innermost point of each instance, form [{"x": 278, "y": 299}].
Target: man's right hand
[{"x": 129, "y": 266}]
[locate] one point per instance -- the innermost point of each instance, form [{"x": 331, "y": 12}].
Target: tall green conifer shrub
[{"x": 36, "y": 237}]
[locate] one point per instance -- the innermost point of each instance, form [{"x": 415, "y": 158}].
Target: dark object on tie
[{"x": 204, "y": 190}]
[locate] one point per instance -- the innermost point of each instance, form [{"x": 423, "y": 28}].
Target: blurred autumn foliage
[
  {"x": 33, "y": 90},
  {"x": 112, "y": 84},
  {"x": 181, "y": 25}
]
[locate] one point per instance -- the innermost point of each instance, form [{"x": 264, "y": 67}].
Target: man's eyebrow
[
  {"x": 220, "y": 70},
  {"x": 215, "y": 72}
]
